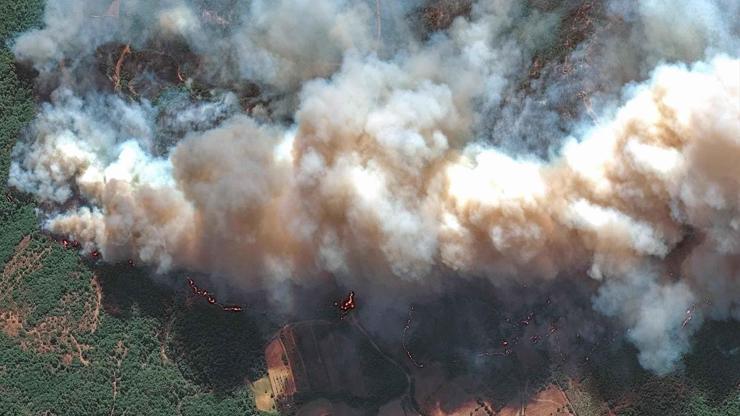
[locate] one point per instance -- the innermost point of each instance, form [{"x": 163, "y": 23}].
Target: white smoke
[
  {"x": 77, "y": 142},
  {"x": 654, "y": 314},
  {"x": 383, "y": 175}
]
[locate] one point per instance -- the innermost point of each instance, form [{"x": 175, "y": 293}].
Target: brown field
[{"x": 548, "y": 402}]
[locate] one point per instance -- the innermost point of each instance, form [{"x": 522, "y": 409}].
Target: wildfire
[
  {"x": 689, "y": 316},
  {"x": 522, "y": 330},
  {"x": 211, "y": 299},
  {"x": 526, "y": 321},
  {"x": 346, "y": 305},
  {"x": 690, "y": 312},
  {"x": 505, "y": 344},
  {"x": 403, "y": 339},
  {"x": 70, "y": 243}
]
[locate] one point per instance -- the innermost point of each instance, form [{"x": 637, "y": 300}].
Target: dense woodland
[
  {"x": 81, "y": 338},
  {"x": 138, "y": 349}
]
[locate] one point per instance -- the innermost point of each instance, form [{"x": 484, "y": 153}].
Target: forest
[
  {"x": 78, "y": 337},
  {"x": 81, "y": 339}
]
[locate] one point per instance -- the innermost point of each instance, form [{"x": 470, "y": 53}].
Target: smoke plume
[{"x": 400, "y": 159}]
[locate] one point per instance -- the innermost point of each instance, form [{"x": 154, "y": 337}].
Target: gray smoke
[{"x": 404, "y": 160}]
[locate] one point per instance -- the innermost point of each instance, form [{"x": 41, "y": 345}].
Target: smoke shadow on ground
[
  {"x": 709, "y": 376},
  {"x": 616, "y": 375},
  {"x": 127, "y": 291},
  {"x": 714, "y": 362},
  {"x": 213, "y": 348},
  {"x": 504, "y": 342},
  {"x": 216, "y": 349}
]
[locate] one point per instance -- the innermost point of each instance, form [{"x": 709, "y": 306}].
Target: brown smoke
[{"x": 382, "y": 174}]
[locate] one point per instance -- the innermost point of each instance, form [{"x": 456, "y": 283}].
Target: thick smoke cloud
[
  {"x": 386, "y": 173},
  {"x": 654, "y": 314}
]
